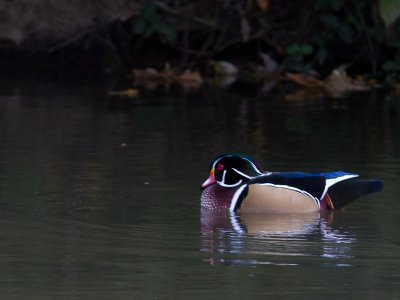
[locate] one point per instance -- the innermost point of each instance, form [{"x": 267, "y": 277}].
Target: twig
[
  {"x": 174, "y": 12},
  {"x": 186, "y": 39},
  {"x": 74, "y": 38},
  {"x": 109, "y": 41}
]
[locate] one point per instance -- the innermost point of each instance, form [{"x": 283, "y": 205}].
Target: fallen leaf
[
  {"x": 306, "y": 81},
  {"x": 339, "y": 82},
  {"x": 152, "y": 78},
  {"x": 268, "y": 85},
  {"x": 130, "y": 93},
  {"x": 306, "y": 94},
  {"x": 269, "y": 65},
  {"x": 224, "y": 68},
  {"x": 190, "y": 79},
  {"x": 335, "y": 85},
  {"x": 153, "y": 74},
  {"x": 263, "y": 4},
  {"x": 189, "y": 75},
  {"x": 148, "y": 73},
  {"x": 225, "y": 81}
]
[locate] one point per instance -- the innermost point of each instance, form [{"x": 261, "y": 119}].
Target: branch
[{"x": 177, "y": 13}]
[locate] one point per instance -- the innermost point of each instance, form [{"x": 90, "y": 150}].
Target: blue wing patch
[{"x": 335, "y": 174}]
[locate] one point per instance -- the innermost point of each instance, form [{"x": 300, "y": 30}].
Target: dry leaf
[
  {"x": 335, "y": 85},
  {"x": 269, "y": 65},
  {"x": 189, "y": 75},
  {"x": 306, "y": 81},
  {"x": 153, "y": 74},
  {"x": 224, "y": 68},
  {"x": 151, "y": 78},
  {"x": 148, "y": 73},
  {"x": 225, "y": 81},
  {"x": 268, "y": 85},
  {"x": 130, "y": 93},
  {"x": 338, "y": 82},
  {"x": 168, "y": 74},
  {"x": 190, "y": 79},
  {"x": 263, "y": 4}
]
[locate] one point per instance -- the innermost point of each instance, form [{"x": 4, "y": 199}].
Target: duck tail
[{"x": 345, "y": 192}]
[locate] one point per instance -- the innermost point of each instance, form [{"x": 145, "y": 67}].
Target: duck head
[{"x": 232, "y": 170}]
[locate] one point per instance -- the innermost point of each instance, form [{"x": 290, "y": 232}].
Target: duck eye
[{"x": 220, "y": 167}]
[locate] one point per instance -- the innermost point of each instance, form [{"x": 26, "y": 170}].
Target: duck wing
[
  {"x": 314, "y": 184},
  {"x": 346, "y": 191},
  {"x": 332, "y": 178},
  {"x": 305, "y": 186},
  {"x": 341, "y": 187}
]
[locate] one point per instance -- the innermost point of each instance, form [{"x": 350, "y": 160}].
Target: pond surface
[{"x": 99, "y": 195}]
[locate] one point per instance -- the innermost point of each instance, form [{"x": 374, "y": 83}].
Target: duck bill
[{"x": 210, "y": 180}]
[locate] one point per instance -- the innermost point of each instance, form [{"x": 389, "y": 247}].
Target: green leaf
[
  {"x": 377, "y": 34},
  {"x": 169, "y": 34},
  {"x": 149, "y": 30},
  {"x": 330, "y": 20},
  {"x": 157, "y": 23},
  {"x": 149, "y": 11},
  {"x": 293, "y": 50},
  {"x": 321, "y": 55},
  {"x": 307, "y": 49},
  {"x": 336, "y": 4},
  {"x": 390, "y": 11},
  {"x": 140, "y": 26},
  {"x": 326, "y": 4},
  {"x": 299, "y": 50},
  {"x": 345, "y": 33},
  {"x": 392, "y": 66}
]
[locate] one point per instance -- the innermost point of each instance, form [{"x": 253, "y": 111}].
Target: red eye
[{"x": 220, "y": 167}]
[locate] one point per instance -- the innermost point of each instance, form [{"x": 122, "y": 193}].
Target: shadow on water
[{"x": 99, "y": 195}]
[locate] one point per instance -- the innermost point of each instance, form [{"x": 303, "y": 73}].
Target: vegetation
[{"x": 310, "y": 37}]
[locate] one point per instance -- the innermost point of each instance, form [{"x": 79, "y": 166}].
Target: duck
[{"x": 237, "y": 183}]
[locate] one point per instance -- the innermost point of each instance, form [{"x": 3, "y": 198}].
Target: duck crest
[
  {"x": 237, "y": 183},
  {"x": 232, "y": 170}
]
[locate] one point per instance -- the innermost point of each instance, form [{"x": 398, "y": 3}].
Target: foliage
[
  {"x": 390, "y": 11},
  {"x": 310, "y": 36},
  {"x": 392, "y": 66},
  {"x": 296, "y": 55},
  {"x": 355, "y": 33},
  {"x": 153, "y": 23},
  {"x": 317, "y": 35}
]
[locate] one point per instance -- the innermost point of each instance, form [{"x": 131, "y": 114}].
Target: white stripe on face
[
  {"x": 226, "y": 184},
  {"x": 241, "y": 173}
]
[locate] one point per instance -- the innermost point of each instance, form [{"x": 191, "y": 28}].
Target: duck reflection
[{"x": 282, "y": 239}]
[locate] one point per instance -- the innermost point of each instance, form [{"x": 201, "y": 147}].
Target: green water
[{"x": 99, "y": 195}]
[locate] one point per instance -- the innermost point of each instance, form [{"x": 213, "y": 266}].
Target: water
[{"x": 99, "y": 195}]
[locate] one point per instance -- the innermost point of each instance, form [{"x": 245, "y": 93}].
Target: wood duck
[{"x": 237, "y": 183}]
